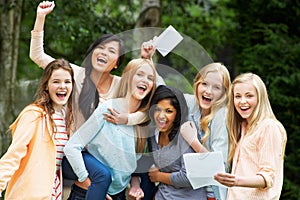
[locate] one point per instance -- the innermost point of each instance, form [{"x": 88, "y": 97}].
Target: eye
[
  {"x": 112, "y": 51},
  {"x": 156, "y": 109},
  {"x": 151, "y": 78},
  {"x": 169, "y": 111},
  {"x": 217, "y": 87}
]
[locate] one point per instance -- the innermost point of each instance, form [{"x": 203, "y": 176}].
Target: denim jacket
[{"x": 218, "y": 139}]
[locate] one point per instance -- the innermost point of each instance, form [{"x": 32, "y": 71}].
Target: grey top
[{"x": 169, "y": 159}]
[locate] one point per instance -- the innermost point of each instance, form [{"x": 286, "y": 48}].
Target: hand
[
  {"x": 135, "y": 193},
  {"x": 154, "y": 174},
  {"x": 108, "y": 197},
  {"x": 226, "y": 179},
  {"x": 188, "y": 131},
  {"x": 85, "y": 184},
  {"x": 45, "y": 7},
  {"x": 115, "y": 117},
  {"x": 148, "y": 49}
]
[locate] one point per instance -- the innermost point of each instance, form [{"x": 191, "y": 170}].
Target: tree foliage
[{"x": 260, "y": 36}]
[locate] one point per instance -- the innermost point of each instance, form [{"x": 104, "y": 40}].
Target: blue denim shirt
[
  {"x": 113, "y": 145},
  {"x": 218, "y": 139}
]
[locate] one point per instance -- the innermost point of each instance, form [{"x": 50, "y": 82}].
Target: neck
[
  {"x": 163, "y": 139},
  {"x": 129, "y": 104},
  {"x": 102, "y": 81},
  {"x": 134, "y": 104}
]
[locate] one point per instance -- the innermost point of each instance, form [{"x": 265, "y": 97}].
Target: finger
[{"x": 115, "y": 111}]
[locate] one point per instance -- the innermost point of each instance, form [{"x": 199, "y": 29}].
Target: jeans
[{"x": 98, "y": 173}]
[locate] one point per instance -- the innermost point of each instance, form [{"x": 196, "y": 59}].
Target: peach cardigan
[{"x": 29, "y": 164}]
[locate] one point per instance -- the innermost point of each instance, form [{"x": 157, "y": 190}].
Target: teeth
[{"x": 101, "y": 60}]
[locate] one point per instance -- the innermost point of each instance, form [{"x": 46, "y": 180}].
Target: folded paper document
[
  {"x": 167, "y": 40},
  {"x": 201, "y": 168}
]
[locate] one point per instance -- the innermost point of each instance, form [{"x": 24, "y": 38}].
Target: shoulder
[
  {"x": 29, "y": 114},
  {"x": 33, "y": 110},
  {"x": 116, "y": 78},
  {"x": 222, "y": 112},
  {"x": 271, "y": 126},
  {"x": 192, "y": 103}
]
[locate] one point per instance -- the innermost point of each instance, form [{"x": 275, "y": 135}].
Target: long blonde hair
[
  {"x": 262, "y": 111},
  {"x": 213, "y": 67},
  {"x": 125, "y": 87}
]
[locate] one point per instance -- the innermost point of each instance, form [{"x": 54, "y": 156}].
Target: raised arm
[{"x": 36, "y": 52}]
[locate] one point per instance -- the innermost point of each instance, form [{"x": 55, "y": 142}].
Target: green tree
[{"x": 267, "y": 43}]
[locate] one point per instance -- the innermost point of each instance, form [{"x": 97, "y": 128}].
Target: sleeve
[
  {"x": 137, "y": 118},
  {"x": 36, "y": 52},
  {"x": 179, "y": 178},
  {"x": 159, "y": 80},
  {"x": 192, "y": 104},
  {"x": 26, "y": 127},
  {"x": 271, "y": 148},
  {"x": 219, "y": 134},
  {"x": 80, "y": 139}
]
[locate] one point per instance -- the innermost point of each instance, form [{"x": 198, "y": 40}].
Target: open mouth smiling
[{"x": 102, "y": 60}]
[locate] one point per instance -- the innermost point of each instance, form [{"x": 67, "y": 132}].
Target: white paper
[
  {"x": 201, "y": 168},
  {"x": 167, "y": 41}
]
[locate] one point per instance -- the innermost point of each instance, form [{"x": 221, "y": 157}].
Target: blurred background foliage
[{"x": 261, "y": 36}]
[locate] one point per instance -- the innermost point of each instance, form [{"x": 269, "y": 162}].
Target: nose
[
  {"x": 162, "y": 114},
  {"x": 145, "y": 80},
  {"x": 62, "y": 85},
  {"x": 208, "y": 89},
  {"x": 243, "y": 99}
]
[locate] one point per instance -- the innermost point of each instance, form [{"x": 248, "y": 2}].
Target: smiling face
[
  {"x": 105, "y": 56},
  {"x": 164, "y": 116},
  {"x": 59, "y": 87},
  {"x": 245, "y": 99},
  {"x": 209, "y": 90},
  {"x": 142, "y": 82}
]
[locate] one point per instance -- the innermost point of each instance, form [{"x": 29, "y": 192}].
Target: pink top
[{"x": 261, "y": 152}]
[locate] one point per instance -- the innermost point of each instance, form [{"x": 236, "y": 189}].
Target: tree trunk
[
  {"x": 149, "y": 18},
  {"x": 10, "y": 11}
]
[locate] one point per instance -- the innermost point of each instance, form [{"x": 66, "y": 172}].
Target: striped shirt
[
  {"x": 260, "y": 153},
  {"x": 60, "y": 138}
]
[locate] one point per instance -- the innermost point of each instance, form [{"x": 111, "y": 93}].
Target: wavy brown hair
[{"x": 43, "y": 99}]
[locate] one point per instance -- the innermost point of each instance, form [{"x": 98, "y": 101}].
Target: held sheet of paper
[
  {"x": 201, "y": 168},
  {"x": 167, "y": 40}
]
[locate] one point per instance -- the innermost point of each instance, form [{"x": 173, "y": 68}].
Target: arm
[
  {"x": 36, "y": 52},
  {"x": 219, "y": 134},
  {"x": 158, "y": 176},
  {"x": 147, "y": 52},
  {"x": 177, "y": 179},
  {"x": 189, "y": 134},
  {"x": 79, "y": 140},
  {"x": 22, "y": 136},
  {"x": 129, "y": 119},
  {"x": 135, "y": 191},
  {"x": 231, "y": 180}
]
